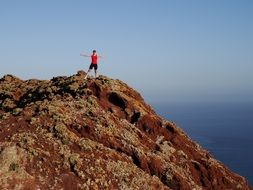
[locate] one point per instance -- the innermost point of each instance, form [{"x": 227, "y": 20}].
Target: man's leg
[
  {"x": 90, "y": 67},
  {"x": 96, "y": 68},
  {"x": 87, "y": 74}
]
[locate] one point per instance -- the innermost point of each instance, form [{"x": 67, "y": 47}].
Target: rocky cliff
[{"x": 70, "y": 133}]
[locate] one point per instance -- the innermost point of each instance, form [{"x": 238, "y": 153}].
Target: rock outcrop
[{"x": 71, "y": 133}]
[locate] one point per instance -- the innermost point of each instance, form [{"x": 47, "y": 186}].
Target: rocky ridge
[{"x": 71, "y": 133}]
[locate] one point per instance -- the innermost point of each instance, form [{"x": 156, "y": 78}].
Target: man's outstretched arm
[{"x": 84, "y": 55}]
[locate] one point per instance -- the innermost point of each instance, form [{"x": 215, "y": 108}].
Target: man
[{"x": 94, "y": 62}]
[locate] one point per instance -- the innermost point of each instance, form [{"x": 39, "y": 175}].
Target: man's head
[{"x": 94, "y": 51}]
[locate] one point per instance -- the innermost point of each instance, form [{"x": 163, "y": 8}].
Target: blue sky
[{"x": 170, "y": 51}]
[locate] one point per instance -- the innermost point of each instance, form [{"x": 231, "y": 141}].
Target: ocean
[{"x": 224, "y": 129}]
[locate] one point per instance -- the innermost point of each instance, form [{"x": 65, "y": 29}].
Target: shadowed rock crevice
[
  {"x": 117, "y": 100},
  {"x": 135, "y": 117}
]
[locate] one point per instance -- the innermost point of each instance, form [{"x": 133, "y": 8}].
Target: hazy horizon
[{"x": 170, "y": 51}]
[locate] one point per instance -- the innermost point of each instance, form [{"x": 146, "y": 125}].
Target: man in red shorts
[{"x": 94, "y": 62}]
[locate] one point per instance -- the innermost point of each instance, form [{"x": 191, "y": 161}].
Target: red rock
[{"x": 98, "y": 134}]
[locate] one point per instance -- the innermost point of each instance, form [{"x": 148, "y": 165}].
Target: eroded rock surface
[{"x": 71, "y": 133}]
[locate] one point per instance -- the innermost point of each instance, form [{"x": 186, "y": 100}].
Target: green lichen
[
  {"x": 61, "y": 131},
  {"x": 17, "y": 111}
]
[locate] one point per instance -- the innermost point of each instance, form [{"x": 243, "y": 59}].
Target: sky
[{"x": 168, "y": 50}]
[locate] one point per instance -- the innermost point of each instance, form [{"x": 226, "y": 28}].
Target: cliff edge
[{"x": 71, "y": 133}]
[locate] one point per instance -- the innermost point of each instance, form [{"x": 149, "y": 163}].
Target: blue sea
[{"x": 224, "y": 129}]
